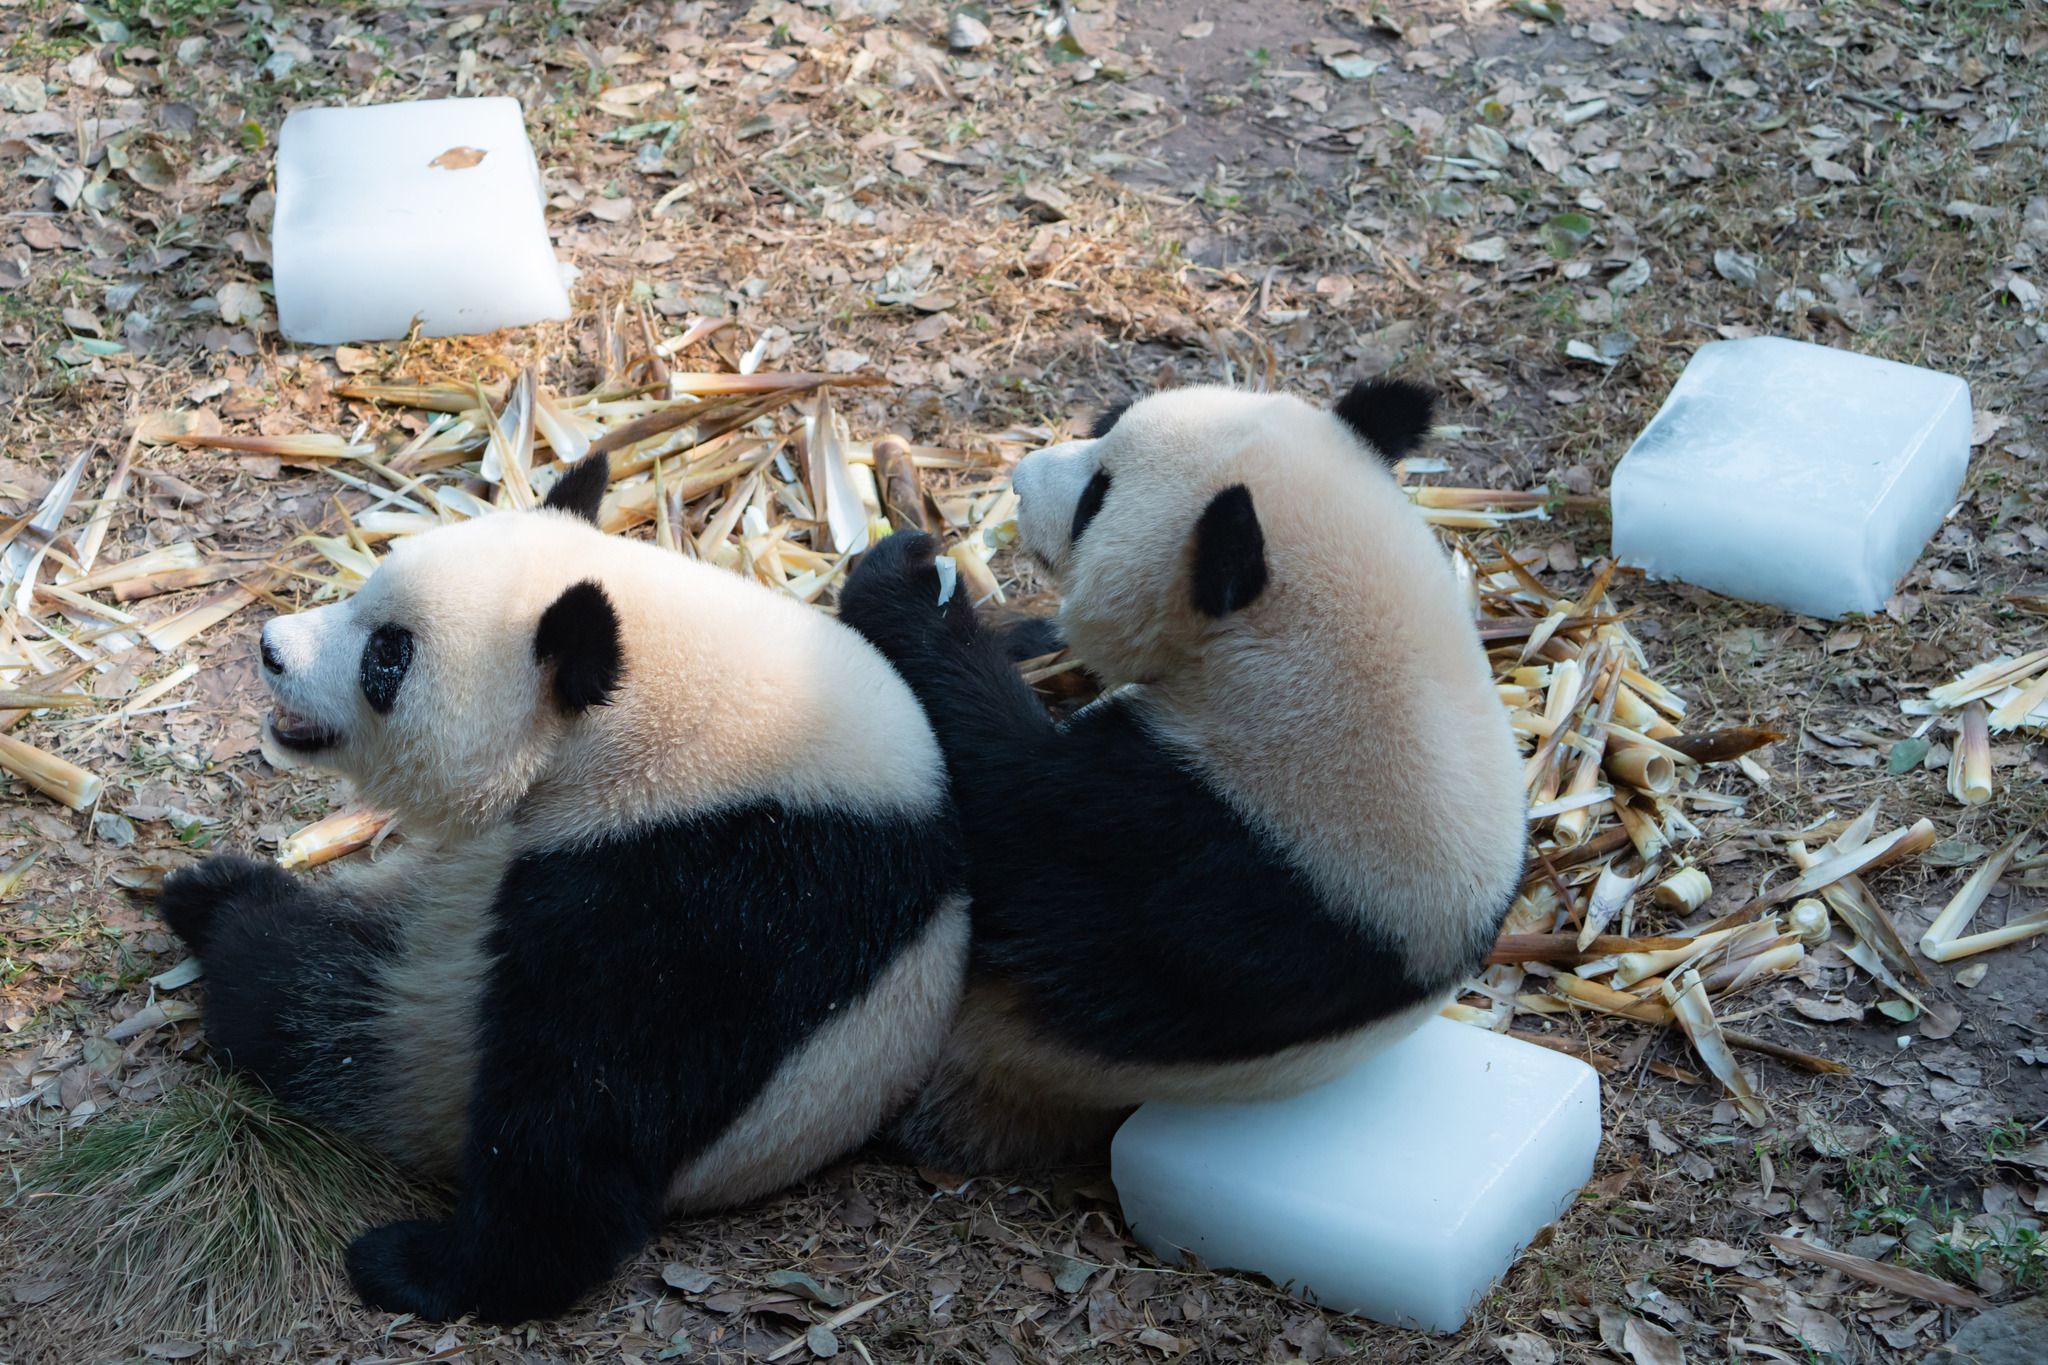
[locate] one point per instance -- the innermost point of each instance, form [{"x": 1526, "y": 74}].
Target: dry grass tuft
[{"x": 220, "y": 1214}]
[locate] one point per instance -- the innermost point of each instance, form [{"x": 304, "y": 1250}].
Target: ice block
[
  {"x": 1794, "y": 474},
  {"x": 1400, "y": 1191},
  {"x": 391, "y": 211}
]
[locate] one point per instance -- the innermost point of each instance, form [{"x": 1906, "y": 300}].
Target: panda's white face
[
  {"x": 426, "y": 687},
  {"x": 1127, "y": 523}
]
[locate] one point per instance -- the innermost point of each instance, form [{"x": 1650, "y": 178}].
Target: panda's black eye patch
[
  {"x": 386, "y": 658},
  {"x": 1090, "y": 503}
]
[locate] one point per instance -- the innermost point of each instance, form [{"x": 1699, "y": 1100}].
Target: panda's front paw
[
  {"x": 897, "y": 598},
  {"x": 193, "y": 896},
  {"x": 403, "y": 1268}
]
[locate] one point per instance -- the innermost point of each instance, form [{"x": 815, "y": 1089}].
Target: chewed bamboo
[
  {"x": 1969, "y": 769},
  {"x": 1811, "y": 921},
  {"x": 1969, "y": 944},
  {"x": 1642, "y": 768},
  {"x": 1640, "y": 966},
  {"x": 1687, "y": 998},
  {"x": 61, "y": 781},
  {"x": 1962, "y": 907},
  {"x": 1607, "y": 1000},
  {"x": 331, "y": 838},
  {"x": 1685, "y": 891}
]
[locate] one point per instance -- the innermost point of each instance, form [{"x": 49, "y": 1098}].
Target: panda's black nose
[{"x": 270, "y": 660}]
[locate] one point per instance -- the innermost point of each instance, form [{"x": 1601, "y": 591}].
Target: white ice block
[
  {"x": 431, "y": 209},
  {"x": 1400, "y": 1191},
  {"x": 1793, "y": 474}
]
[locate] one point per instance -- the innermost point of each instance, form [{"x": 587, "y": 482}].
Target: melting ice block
[
  {"x": 391, "y": 211},
  {"x": 1400, "y": 1191},
  {"x": 1793, "y": 474}
]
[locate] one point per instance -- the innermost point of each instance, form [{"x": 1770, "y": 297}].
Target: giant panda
[
  {"x": 678, "y": 917},
  {"x": 1288, "y": 830}
]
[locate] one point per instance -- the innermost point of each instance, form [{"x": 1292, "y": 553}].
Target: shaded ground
[{"x": 1165, "y": 209}]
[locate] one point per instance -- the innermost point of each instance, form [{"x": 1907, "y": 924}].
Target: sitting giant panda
[
  {"x": 678, "y": 919},
  {"x": 1286, "y": 833}
]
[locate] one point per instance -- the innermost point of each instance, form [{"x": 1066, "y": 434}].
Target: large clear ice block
[
  {"x": 1793, "y": 474},
  {"x": 430, "y": 209},
  {"x": 1400, "y": 1191}
]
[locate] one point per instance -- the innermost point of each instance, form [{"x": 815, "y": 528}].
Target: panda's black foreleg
[
  {"x": 979, "y": 707},
  {"x": 290, "y": 978}
]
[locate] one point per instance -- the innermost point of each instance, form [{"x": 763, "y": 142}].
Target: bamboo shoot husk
[
  {"x": 1782, "y": 956},
  {"x": 1986, "y": 678},
  {"x": 1688, "y": 1001},
  {"x": 1905, "y": 842},
  {"x": 165, "y": 559},
  {"x": 1611, "y": 891},
  {"x": 1970, "y": 944},
  {"x": 65, "y": 783}
]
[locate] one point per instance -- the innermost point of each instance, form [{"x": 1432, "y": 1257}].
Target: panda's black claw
[
  {"x": 394, "y": 1268},
  {"x": 193, "y": 896}
]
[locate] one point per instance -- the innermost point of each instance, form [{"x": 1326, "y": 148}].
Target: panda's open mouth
[{"x": 294, "y": 731}]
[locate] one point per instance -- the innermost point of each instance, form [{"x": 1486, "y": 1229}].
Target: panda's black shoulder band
[
  {"x": 1392, "y": 414},
  {"x": 579, "y": 634},
  {"x": 581, "y": 490}
]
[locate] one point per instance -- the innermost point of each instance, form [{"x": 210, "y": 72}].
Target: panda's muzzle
[{"x": 294, "y": 731}]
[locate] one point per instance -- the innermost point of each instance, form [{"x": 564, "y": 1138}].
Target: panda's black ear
[
  {"x": 1230, "y": 553},
  {"x": 581, "y": 490},
  {"x": 579, "y": 635},
  {"x": 1392, "y": 414},
  {"x": 1106, "y": 420}
]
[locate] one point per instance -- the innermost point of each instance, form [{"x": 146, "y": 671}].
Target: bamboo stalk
[
  {"x": 1593, "y": 995},
  {"x": 1962, "y": 907},
  {"x": 1969, "y": 767},
  {"x": 331, "y": 838},
  {"x": 1642, "y": 768},
  {"x": 63, "y": 782}
]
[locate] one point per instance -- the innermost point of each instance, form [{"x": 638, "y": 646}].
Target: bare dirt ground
[{"x": 1100, "y": 200}]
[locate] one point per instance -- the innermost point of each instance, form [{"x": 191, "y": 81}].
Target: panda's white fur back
[{"x": 1350, "y": 710}]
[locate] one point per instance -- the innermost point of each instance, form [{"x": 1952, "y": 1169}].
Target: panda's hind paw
[
  {"x": 394, "y": 1268},
  {"x": 193, "y": 896}
]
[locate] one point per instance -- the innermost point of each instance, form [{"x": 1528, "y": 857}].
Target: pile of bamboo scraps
[
  {"x": 700, "y": 456},
  {"x": 70, "y": 657},
  {"x": 1995, "y": 697},
  {"x": 1611, "y": 778}
]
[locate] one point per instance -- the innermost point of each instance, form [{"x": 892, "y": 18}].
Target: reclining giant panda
[
  {"x": 1287, "y": 832},
  {"x": 678, "y": 918}
]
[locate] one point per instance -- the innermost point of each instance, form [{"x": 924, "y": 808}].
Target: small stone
[
  {"x": 967, "y": 33},
  {"x": 2016, "y": 1334}
]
